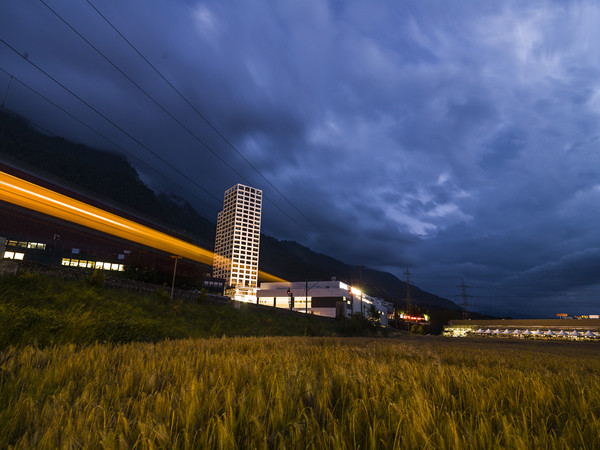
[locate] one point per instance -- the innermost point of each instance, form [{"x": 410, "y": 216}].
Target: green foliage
[{"x": 373, "y": 315}]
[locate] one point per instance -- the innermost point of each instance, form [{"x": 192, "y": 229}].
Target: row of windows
[
  {"x": 250, "y": 230},
  {"x": 247, "y": 270},
  {"x": 245, "y": 266},
  {"x": 247, "y": 283},
  {"x": 92, "y": 264},
  {"x": 25, "y": 244},
  {"x": 247, "y": 215},
  {"x": 243, "y": 257},
  {"x": 224, "y": 227},
  {"x": 248, "y": 233},
  {"x": 225, "y": 248},
  {"x": 241, "y": 190},
  {"x": 239, "y": 203},
  {"x": 248, "y": 246},
  {"x": 14, "y": 255},
  {"x": 239, "y": 255}
]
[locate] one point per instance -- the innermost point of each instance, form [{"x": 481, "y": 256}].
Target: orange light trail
[{"x": 31, "y": 196}]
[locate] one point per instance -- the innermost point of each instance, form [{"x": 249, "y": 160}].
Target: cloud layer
[{"x": 460, "y": 140}]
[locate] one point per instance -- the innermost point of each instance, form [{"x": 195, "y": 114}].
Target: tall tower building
[{"x": 237, "y": 242}]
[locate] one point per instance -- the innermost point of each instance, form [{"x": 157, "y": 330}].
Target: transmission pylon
[
  {"x": 408, "y": 299},
  {"x": 465, "y": 303}
]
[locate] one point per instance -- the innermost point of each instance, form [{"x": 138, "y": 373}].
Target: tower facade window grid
[{"x": 238, "y": 241}]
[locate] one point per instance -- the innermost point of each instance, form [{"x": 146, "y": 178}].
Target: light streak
[{"x": 37, "y": 198}]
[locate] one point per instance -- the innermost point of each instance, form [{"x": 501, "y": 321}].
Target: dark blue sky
[{"x": 459, "y": 139}]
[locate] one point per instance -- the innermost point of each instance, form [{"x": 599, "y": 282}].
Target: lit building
[
  {"x": 526, "y": 328},
  {"x": 331, "y": 298},
  {"x": 237, "y": 242}
]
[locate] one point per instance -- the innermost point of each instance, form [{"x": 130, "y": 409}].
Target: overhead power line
[
  {"x": 116, "y": 145},
  {"x": 108, "y": 120},
  {"x": 203, "y": 117},
  {"x": 162, "y": 108}
]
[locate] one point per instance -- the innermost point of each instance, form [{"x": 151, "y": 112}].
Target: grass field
[
  {"x": 43, "y": 311},
  {"x": 302, "y": 392}
]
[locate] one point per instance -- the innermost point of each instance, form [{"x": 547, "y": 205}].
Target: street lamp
[{"x": 175, "y": 257}]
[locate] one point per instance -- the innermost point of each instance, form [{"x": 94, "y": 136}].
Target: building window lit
[
  {"x": 14, "y": 255},
  {"x": 92, "y": 264},
  {"x": 25, "y": 244}
]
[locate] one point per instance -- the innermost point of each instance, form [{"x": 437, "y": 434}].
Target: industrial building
[
  {"x": 331, "y": 298},
  {"x": 525, "y": 328},
  {"x": 238, "y": 241}
]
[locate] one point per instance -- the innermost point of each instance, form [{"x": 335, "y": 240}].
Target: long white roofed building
[{"x": 329, "y": 298}]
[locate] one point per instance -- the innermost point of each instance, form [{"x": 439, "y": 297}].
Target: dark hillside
[
  {"x": 103, "y": 175},
  {"x": 110, "y": 178},
  {"x": 289, "y": 257}
]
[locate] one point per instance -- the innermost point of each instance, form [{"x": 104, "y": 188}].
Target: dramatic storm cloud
[{"x": 458, "y": 139}]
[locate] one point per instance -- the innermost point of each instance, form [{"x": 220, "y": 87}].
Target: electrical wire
[
  {"x": 203, "y": 117},
  {"x": 108, "y": 120},
  {"x": 151, "y": 98},
  {"x": 99, "y": 134}
]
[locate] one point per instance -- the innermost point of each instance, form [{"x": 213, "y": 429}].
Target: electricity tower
[
  {"x": 408, "y": 299},
  {"x": 466, "y": 315}
]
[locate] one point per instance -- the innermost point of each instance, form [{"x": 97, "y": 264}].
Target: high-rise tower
[{"x": 238, "y": 241}]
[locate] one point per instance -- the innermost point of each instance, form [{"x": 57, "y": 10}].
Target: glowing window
[{"x": 9, "y": 255}]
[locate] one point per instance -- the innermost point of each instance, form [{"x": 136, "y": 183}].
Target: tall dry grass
[{"x": 301, "y": 393}]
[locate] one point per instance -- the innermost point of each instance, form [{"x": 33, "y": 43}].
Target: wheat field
[{"x": 301, "y": 392}]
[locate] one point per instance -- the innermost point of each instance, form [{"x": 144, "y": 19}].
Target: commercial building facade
[
  {"x": 237, "y": 242},
  {"x": 331, "y": 298}
]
